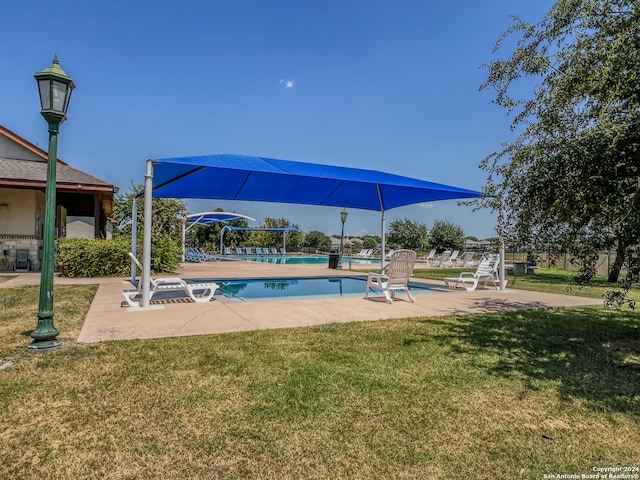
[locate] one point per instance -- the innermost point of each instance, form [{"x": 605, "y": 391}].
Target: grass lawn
[
  {"x": 550, "y": 280},
  {"x": 511, "y": 395}
]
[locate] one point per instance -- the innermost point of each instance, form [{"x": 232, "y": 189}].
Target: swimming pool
[
  {"x": 285, "y": 288},
  {"x": 301, "y": 259}
]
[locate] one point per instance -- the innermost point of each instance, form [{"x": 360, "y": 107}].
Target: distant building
[
  {"x": 83, "y": 201},
  {"x": 477, "y": 244},
  {"x": 347, "y": 243}
]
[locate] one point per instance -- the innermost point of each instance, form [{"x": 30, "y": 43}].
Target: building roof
[
  {"x": 15, "y": 172},
  {"x": 32, "y": 172}
]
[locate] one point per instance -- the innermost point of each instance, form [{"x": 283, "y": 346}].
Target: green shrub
[
  {"x": 165, "y": 254},
  {"x": 81, "y": 257}
]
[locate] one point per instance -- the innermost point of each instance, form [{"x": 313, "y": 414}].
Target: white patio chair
[{"x": 399, "y": 271}]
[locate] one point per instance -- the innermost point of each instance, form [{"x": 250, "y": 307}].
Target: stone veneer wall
[{"x": 14, "y": 242}]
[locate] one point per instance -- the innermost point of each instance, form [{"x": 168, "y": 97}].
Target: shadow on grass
[
  {"x": 500, "y": 305},
  {"x": 590, "y": 354},
  {"x": 552, "y": 277}
]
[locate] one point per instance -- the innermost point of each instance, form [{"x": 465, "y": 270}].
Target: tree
[
  {"x": 370, "y": 241},
  {"x": 316, "y": 239},
  {"x": 167, "y": 214},
  {"x": 166, "y": 225},
  {"x": 570, "y": 179},
  {"x": 208, "y": 236},
  {"x": 446, "y": 236},
  {"x": 403, "y": 233},
  {"x": 270, "y": 239}
]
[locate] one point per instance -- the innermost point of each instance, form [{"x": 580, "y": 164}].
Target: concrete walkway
[{"x": 108, "y": 320}]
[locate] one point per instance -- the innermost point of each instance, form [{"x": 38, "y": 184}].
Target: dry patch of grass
[
  {"x": 18, "y": 315},
  {"x": 512, "y": 395}
]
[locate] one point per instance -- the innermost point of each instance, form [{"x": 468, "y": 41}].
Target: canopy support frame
[
  {"x": 146, "y": 239},
  {"x": 148, "y": 194}
]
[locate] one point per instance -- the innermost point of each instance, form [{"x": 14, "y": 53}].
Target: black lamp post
[
  {"x": 55, "y": 91},
  {"x": 343, "y": 218}
]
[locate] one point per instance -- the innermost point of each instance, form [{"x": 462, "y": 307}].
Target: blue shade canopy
[
  {"x": 207, "y": 218},
  {"x": 261, "y": 229},
  {"x": 282, "y": 230},
  {"x": 239, "y": 177}
]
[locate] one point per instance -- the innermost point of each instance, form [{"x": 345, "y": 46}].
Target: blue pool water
[
  {"x": 281, "y": 288},
  {"x": 298, "y": 259}
]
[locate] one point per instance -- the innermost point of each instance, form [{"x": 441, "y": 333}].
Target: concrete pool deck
[{"x": 108, "y": 320}]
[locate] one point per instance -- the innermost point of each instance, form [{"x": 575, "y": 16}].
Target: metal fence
[{"x": 603, "y": 265}]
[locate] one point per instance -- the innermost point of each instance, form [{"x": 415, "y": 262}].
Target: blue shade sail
[
  {"x": 263, "y": 229},
  {"x": 207, "y": 218},
  {"x": 239, "y": 177}
]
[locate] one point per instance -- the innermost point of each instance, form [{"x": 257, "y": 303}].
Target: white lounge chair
[
  {"x": 397, "y": 277},
  {"x": 451, "y": 261},
  {"x": 487, "y": 271},
  {"x": 468, "y": 259},
  {"x": 191, "y": 255},
  {"x": 198, "y": 292},
  {"x": 444, "y": 258},
  {"x": 207, "y": 257},
  {"x": 430, "y": 257},
  {"x": 197, "y": 254}
]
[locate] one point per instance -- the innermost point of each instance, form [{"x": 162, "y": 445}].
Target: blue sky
[{"x": 384, "y": 85}]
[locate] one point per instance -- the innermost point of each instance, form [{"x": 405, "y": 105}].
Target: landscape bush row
[{"x": 80, "y": 257}]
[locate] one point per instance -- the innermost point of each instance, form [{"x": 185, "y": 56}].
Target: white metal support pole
[
  {"x": 184, "y": 238},
  {"x": 382, "y": 235},
  {"x": 146, "y": 238},
  {"x": 134, "y": 236},
  {"x": 382, "y": 229},
  {"x": 503, "y": 280},
  {"x": 223, "y": 230}
]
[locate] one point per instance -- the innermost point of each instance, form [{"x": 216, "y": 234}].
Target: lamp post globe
[
  {"x": 55, "y": 88},
  {"x": 343, "y": 219}
]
